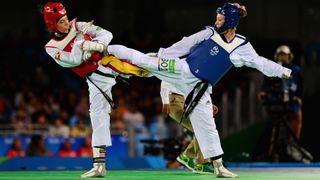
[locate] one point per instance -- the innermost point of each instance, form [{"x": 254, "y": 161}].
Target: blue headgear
[{"x": 231, "y": 14}]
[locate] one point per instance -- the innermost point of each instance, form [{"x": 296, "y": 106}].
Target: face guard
[
  {"x": 231, "y": 14},
  {"x": 52, "y": 12}
]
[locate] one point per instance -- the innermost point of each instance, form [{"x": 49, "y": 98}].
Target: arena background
[{"x": 26, "y": 70}]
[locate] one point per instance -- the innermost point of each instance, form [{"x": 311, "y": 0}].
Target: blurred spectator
[
  {"x": 81, "y": 111},
  {"x": 37, "y": 147},
  {"x": 122, "y": 108},
  {"x": 52, "y": 107},
  {"x": 21, "y": 122},
  {"x": 157, "y": 127},
  {"x": 72, "y": 101},
  {"x": 80, "y": 129},
  {"x": 34, "y": 104},
  {"x": 19, "y": 99},
  {"x": 290, "y": 91},
  {"x": 16, "y": 149},
  {"x": 117, "y": 121},
  {"x": 64, "y": 115},
  {"x": 59, "y": 129},
  {"x": 135, "y": 119},
  {"x": 283, "y": 102},
  {"x": 86, "y": 149},
  {"x": 66, "y": 150},
  {"x": 41, "y": 124}
]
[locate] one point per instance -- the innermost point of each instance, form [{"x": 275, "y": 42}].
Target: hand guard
[
  {"x": 86, "y": 55},
  {"x": 287, "y": 74},
  {"x": 93, "y": 46}
]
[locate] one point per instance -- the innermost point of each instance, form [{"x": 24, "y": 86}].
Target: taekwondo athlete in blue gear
[
  {"x": 213, "y": 52},
  {"x": 169, "y": 67}
]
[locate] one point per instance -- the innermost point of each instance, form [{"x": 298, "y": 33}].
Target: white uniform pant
[
  {"x": 201, "y": 117},
  {"x": 100, "y": 108}
]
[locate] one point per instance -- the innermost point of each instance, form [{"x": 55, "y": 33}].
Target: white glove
[
  {"x": 93, "y": 46},
  {"x": 86, "y": 55},
  {"x": 287, "y": 74}
]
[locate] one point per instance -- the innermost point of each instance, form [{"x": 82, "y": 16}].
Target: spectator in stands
[
  {"x": 52, "y": 107},
  {"x": 59, "y": 129},
  {"x": 86, "y": 150},
  {"x": 34, "y": 104},
  {"x": 21, "y": 122},
  {"x": 80, "y": 129},
  {"x": 66, "y": 150},
  {"x": 81, "y": 111},
  {"x": 41, "y": 124},
  {"x": 282, "y": 100},
  {"x": 135, "y": 119},
  {"x": 157, "y": 127},
  {"x": 64, "y": 116},
  {"x": 122, "y": 107},
  {"x": 37, "y": 147},
  {"x": 117, "y": 121},
  {"x": 16, "y": 149}
]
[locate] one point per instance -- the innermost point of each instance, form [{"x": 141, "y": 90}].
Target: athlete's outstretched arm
[{"x": 246, "y": 56}]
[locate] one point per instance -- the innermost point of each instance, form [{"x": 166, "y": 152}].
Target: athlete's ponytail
[{"x": 242, "y": 10}]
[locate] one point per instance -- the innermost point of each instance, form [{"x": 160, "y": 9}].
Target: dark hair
[{"x": 242, "y": 10}]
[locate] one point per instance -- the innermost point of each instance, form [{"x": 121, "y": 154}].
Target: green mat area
[{"x": 161, "y": 175}]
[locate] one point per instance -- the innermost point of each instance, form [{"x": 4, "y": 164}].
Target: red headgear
[{"x": 52, "y": 11}]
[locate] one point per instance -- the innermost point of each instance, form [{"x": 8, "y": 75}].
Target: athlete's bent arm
[{"x": 66, "y": 59}]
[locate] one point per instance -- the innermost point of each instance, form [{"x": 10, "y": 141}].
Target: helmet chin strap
[
  {"x": 221, "y": 30},
  {"x": 60, "y": 34}
]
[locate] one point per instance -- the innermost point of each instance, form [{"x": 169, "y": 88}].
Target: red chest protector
[{"x": 66, "y": 45}]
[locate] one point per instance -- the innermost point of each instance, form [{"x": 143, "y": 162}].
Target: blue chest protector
[{"x": 210, "y": 59}]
